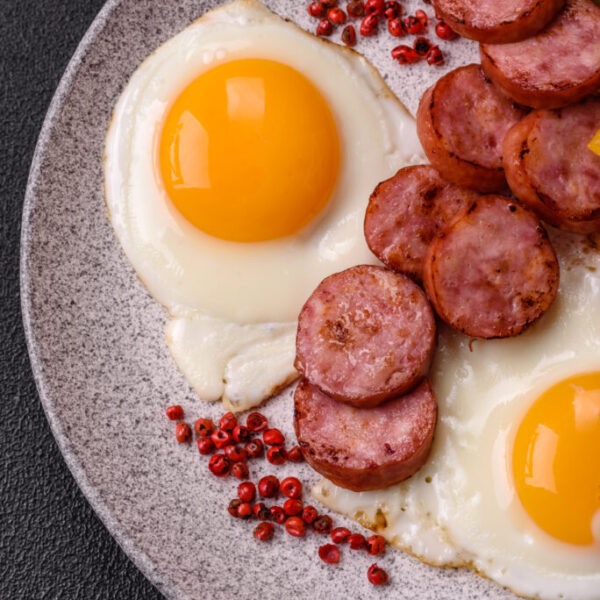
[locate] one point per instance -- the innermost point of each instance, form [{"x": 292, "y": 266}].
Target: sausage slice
[
  {"x": 461, "y": 123},
  {"x": 493, "y": 272},
  {"x": 365, "y": 448},
  {"x": 405, "y": 213},
  {"x": 558, "y": 66},
  {"x": 550, "y": 168},
  {"x": 365, "y": 335},
  {"x": 497, "y": 21}
]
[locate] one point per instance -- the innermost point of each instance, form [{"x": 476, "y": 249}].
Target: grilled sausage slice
[
  {"x": 558, "y": 66},
  {"x": 550, "y": 168},
  {"x": 461, "y": 123},
  {"x": 497, "y": 21},
  {"x": 405, "y": 213},
  {"x": 493, "y": 272},
  {"x": 365, "y": 448},
  {"x": 365, "y": 335}
]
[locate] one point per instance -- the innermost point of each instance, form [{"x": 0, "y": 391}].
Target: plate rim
[{"x": 139, "y": 558}]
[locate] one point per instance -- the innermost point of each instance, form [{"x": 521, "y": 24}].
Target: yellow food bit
[{"x": 594, "y": 145}]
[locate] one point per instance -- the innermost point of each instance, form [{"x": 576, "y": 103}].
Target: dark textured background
[{"x": 52, "y": 546}]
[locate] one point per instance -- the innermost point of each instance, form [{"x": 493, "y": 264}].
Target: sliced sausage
[
  {"x": 365, "y": 448},
  {"x": 550, "y": 168},
  {"x": 461, "y": 123},
  {"x": 497, "y": 21},
  {"x": 365, "y": 335},
  {"x": 493, "y": 272},
  {"x": 559, "y": 66},
  {"x": 406, "y": 211}
]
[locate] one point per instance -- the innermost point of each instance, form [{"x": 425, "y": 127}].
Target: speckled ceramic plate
[{"x": 102, "y": 367}]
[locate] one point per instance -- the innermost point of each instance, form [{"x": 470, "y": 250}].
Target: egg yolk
[
  {"x": 556, "y": 460},
  {"x": 594, "y": 144},
  {"x": 249, "y": 151}
]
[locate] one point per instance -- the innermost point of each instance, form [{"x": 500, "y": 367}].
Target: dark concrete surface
[{"x": 52, "y": 546}]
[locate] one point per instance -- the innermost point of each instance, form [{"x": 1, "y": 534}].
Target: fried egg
[
  {"x": 238, "y": 164},
  {"x": 512, "y": 487}
]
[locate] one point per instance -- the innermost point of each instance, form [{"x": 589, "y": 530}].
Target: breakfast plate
[{"x": 103, "y": 370}]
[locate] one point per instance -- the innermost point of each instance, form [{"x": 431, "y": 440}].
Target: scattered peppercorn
[
  {"x": 205, "y": 445},
  {"x": 295, "y": 526},
  {"x": 268, "y": 486},
  {"x": 356, "y": 541},
  {"x": 261, "y": 512},
  {"x": 340, "y": 535},
  {"x": 233, "y": 507},
  {"x": 273, "y": 437},
  {"x": 316, "y": 9},
  {"x": 376, "y": 545},
  {"x": 235, "y": 453},
  {"x": 277, "y": 514},
  {"x": 228, "y": 421},
  {"x": 295, "y": 454},
  {"x": 183, "y": 432},
  {"x": 324, "y": 27},
  {"x": 422, "y": 17},
  {"x": 396, "y": 28},
  {"x": 349, "y": 38},
  {"x": 244, "y": 510},
  {"x": 219, "y": 465},
  {"x": 435, "y": 57},
  {"x": 322, "y": 524},
  {"x": 405, "y": 55},
  {"x": 221, "y": 438},
  {"x": 256, "y": 422},
  {"x": 376, "y": 575},
  {"x": 337, "y": 16},
  {"x": 444, "y": 31},
  {"x": 254, "y": 449},
  {"x": 369, "y": 25},
  {"x": 291, "y": 487},
  {"x": 309, "y": 514},
  {"x": 174, "y": 413},
  {"x": 329, "y": 553},
  {"x": 355, "y": 8},
  {"x": 371, "y": 11},
  {"x": 375, "y": 7},
  {"x": 422, "y": 46},
  {"x": 241, "y": 434},
  {"x": 292, "y": 507},
  {"x": 246, "y": 491},
  {"x": 240, "y": 470},
  {"x": 392, "y": 10},
  {"x": 204, "y": 427},
  {"x": 276, "y": 455},
  {"x": 263, "y": 532},
  {"x": 413, "y": 25}
]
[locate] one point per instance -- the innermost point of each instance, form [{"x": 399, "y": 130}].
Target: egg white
[
  {"x": 248, "y": 293},
  {"x": 461, "y": 508},
  {"x": 241, "y": 364}
]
